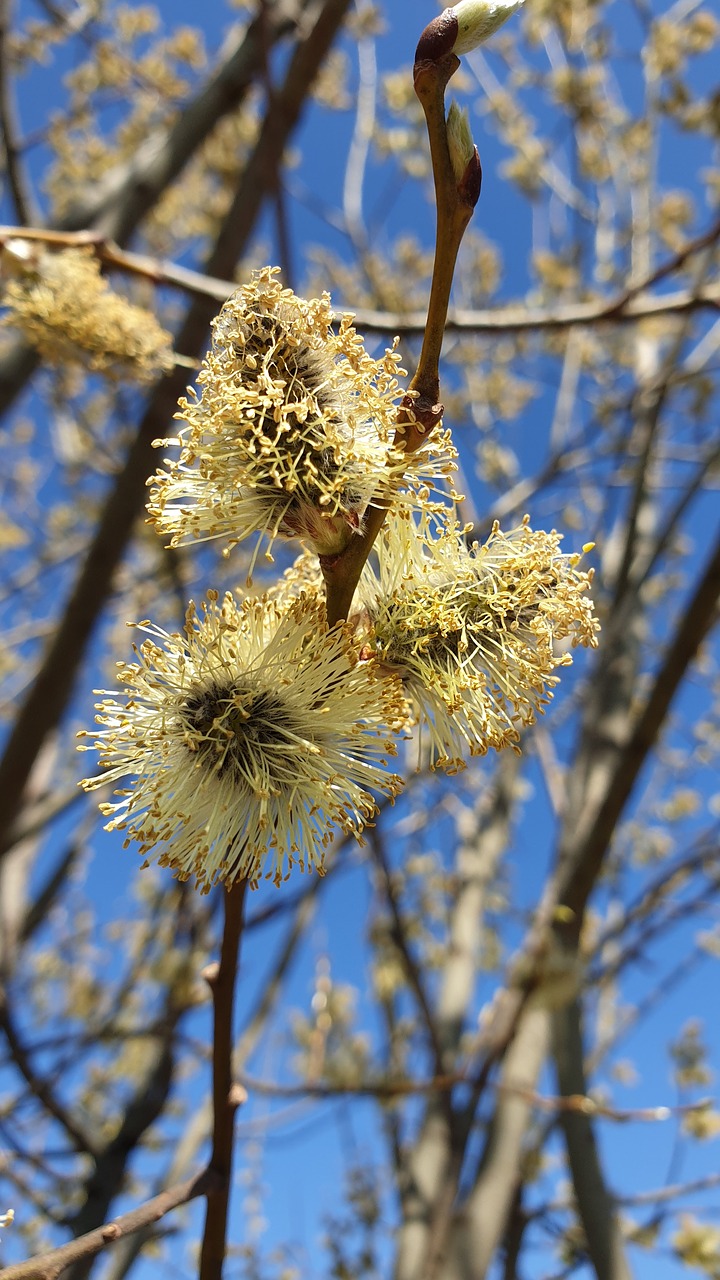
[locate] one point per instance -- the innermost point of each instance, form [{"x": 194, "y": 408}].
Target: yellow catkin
[
  {"x": 476, "y": 633},
  {"x": 68, "y": 311},
  {"x": 246, "y": 741},
  {"x": 291, "y": 432}
]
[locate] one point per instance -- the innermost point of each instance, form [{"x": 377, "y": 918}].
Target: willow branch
[
  {"x": 227, "y": 1094},
  {"x": 400, "y": 939},
  {"x": 624, "y": 308},
  {"x": 580, "y": 1103},
  {"x": 40, "y": 1087},
  {"x": 20, "y": 194},
  {"x": 698, "y": 617},
  {"x": 421, "y": 409},
  {"x": 51, "y": 1265}
]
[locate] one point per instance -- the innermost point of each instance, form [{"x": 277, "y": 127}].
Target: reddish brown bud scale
[
  {"x": 469, "y": 188},
  {"x": 438, "y": 38}
]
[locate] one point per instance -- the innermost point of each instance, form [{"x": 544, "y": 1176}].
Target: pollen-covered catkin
[
  {"x": 473, "y": 631},
  {"x": 292, "y": 432},
  {"x": 67, "y": 309},
  {"x": 246, "y": 741}
]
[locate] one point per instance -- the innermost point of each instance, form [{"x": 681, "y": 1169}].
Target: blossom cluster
[
  {"x": 293, "y": 432},
  {"x": 252, "y": 735},
  {"x": 241, "y": 745},
  {"x": 65, "y": 307}
]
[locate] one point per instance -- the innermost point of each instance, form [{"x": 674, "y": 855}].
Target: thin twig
[
  {"x": 627, "y": 307},
  {"x": 399, "y": 937},
  {"x": 51, "y": 1265},
  {"x": 578, "y": 1103},
  {"x": 42, "y": 1088}
]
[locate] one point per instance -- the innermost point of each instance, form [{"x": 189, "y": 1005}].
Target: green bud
[
  {"x": 463, "y": 154},
  {"x": 460, "y": 140}
]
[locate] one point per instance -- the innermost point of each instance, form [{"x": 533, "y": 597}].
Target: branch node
[
  {"x": 237, "y": 1096},
  {"x": 420, "y": 413}
]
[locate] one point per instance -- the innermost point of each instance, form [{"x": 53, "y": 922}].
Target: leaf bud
[
  {"x": 479, "y": 19},
  {"x": 463, "y": 27},
  {"x": 463, "y": 154}
]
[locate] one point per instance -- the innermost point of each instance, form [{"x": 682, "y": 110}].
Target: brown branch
[
  {"x": 625, "y": 308},
  {"x": 399, "y": 936},
  {"x": 110, "y": 1166},
  {"x": 582, "y": 1103},
  {"x": 676, "y": 1189},
  {"x": 227, "y": 1094},
  {"x": 519, "y": 318},
  {"x": 8, "y": 126},
  {"x": 156, "y": 270},
  {"x": 50, "y": 1265},
  {"x": 40, "y": 1087},
  {"x": 421, "y": 409},
  {"x": 484, "y": 1214}
]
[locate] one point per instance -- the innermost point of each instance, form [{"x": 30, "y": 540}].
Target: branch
[
  {"x": 41, "y": 1088},
  {"x": 420, "y": 410},
  {"x": 581, "y": 1103},
  {"x": 398, "y": 934},
  {"x": 594, "y": 1203},
  {"x": 51, "y": 1265},
  {"x": 227, "y": 1094},
  {"x": 676, "y": 1189},
  {"x": 511, "y": 318},
  {"x": 485, "y": 1212},
  {"x": 8, "y": 127},
  {"x": 518, "y": 318}
]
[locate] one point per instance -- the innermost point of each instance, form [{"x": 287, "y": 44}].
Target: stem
[
  {"x": 453, "y": 215},
  {"x": 421, "y": 410},
  {"x": 227, "y": 1095}
]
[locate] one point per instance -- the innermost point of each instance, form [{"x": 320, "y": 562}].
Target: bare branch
[
  {"x": 485, "y": 1212},
  {"x": 50, "y": 1266},
  {"x": 41, "y": 1088},
  {"x": 698, "y": 616},
  {"x": 399, "y": 937}
]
